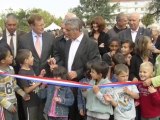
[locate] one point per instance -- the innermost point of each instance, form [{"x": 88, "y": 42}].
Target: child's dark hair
[
  {"x": 131, "y": 44},
  {"x": 119, "y": 68},
  {"x": 114, "y": 39},
  {"x": 22, "y": 54},
  {"x": 3, "y": 52},
  {"x": 100, "y": 67},
  {"x": 118, "y": 58},
  {"x": 88, "y": 69},
  {"x": 60, "y": 72}
]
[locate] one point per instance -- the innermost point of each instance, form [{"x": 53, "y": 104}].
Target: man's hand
[{"x": 72, "y": 75}]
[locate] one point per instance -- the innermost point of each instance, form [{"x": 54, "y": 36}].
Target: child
[
  {"x": 32, "y": 107},
  {"x": 114, "y": 46},
  {"x": 80, "y": 98},
  {"x": 118, "y": 58},
  {"x": 8, "y": 86},
  {"x": 149, "y": 96},
  {"x": 126, "y": 49},
  {"x": 59, "y": 98},
  {"x": 122, "y": 98},
  {"x": 97, "y": 109},
  {"x": 143, "y": 51}
]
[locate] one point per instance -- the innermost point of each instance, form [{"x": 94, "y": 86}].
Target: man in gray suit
[
  {"x": 28, "y": 41},
  {"x": 135, "y": 31},
  {"x": 79, "y": 50}
]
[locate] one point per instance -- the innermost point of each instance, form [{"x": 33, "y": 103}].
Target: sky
[{"x": 56, "y": 7}]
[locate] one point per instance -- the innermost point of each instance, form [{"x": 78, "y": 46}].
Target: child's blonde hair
[{"x": 147, "y": 65}]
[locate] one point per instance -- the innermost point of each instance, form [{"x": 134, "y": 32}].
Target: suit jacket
[
  {"x": 126, "y": 34},
  {"x": 59, "y": 50},
  {"x": 26, "y": 42},
  {"x": 87, "y": 51},
  {"x": 18, "y": 33}
]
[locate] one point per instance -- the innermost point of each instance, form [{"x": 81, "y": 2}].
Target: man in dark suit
[
  {"x": 29, "y": 41},
  {"x": 79, "y": 50},
  {"x": 9, "y": 33},
  {"x": 135, "y": 31},
  {"x": 40, "y": 43}
]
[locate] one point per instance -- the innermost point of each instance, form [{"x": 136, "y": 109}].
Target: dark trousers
[
  {"x": 138, "y": 113},
  {"x": 11, "y": 116},
  {"x": 20, "y": 111},
  {"x": 73, "y": 110}
]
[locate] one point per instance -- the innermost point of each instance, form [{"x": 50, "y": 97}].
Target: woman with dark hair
[{"x": 98, "y": 34}]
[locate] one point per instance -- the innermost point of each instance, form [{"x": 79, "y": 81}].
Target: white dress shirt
[
  {"x": 72, "y": 51},
  {"x": 14, "y": 41},
  {"x": 134, "y": 34}
]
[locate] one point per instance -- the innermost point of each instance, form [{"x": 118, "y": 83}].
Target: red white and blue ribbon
[{"x": 67, "y": 83}]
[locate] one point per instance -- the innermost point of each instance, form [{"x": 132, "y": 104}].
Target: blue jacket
[
  {"x": 64, "y": 93},
  {"x": 81, "y": 100}
]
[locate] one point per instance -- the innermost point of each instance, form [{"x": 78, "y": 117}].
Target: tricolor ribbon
[{"x": 67, "y": 83}]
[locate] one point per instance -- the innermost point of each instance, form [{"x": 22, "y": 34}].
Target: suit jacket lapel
[
  {"x": 79, "y": 50},
  {"x": 44, "y": 44},
  {"x": 129, "y": 34},
  {"x": 139, "y": 33},
  {"x": 68, "y": 44},
  {"x": 30, "y": 40}
]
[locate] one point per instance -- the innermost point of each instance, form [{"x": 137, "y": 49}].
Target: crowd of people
[{"x": 125, "y": 53}]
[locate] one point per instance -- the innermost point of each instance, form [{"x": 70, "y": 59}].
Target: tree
[
  {"x": 23, "y": 15},
  {"x": 148, "y": 19},
  {"x": 91, "y": 8},
  {"x": 154, "y": 8}
]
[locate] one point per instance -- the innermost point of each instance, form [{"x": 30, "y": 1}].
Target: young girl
[
  {"x": 127, "y": 49},
  {"x": 114, "y": 46},
  {"x": 97, "y": 109},
  {"x": 143, "y": 51},
  {"x": 59, "y": 98},
  {"x": 32, "y": 107},
  {"x": 149, "y": 96}
]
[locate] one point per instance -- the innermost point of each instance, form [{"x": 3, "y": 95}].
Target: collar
[
  {"x": 8, "y": 33},
  {"x": 117, "y": 30},
  {"x": 35, "y": 34},
  {"x": 80, "y": 37},
  {"x": 135, "y": 30}
]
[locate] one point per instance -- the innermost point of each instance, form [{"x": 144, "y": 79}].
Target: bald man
[{"x": 135, "y": 31}]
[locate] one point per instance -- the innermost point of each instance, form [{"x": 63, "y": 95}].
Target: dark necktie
[{"x": 11, "y": 44}]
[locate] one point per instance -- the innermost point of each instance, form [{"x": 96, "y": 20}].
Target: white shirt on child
[{"x": 126, "y": 107}]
